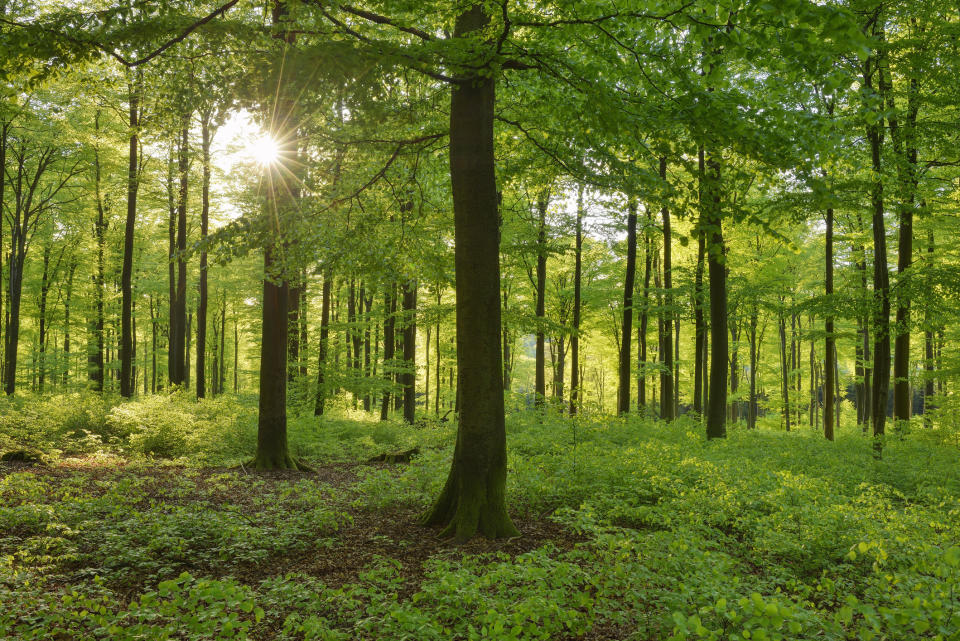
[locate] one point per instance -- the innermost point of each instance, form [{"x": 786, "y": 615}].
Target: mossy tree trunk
[{"x": 474, "y": 497}]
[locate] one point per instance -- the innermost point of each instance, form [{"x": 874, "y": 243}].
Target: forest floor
[{"x": 630, "y": 530}]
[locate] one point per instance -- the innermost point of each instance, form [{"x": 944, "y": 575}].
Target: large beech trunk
[
  {"x": 272, "y": 450},
  {"x": 474, "y": 496}
]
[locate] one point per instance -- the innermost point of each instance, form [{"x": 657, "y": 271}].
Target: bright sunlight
[{"x": 263, "y": 149}]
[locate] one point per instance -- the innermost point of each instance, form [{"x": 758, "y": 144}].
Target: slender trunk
[
  {"x": 223, "y": 337},
  {"x": 304, "y": 305},
  {"x": 126, "y": 274},
  {"x": 409, "y": 377},
  {"x": 178, "y": 339},
  {"x": 784, "y": 369},
  {"x": 575, "y": 336},
  {"x": 95, "y": 348},
  {"x": 66, "y": 320},
  {"x": 436, "y": 401},
  {"x": 187, "y": 335},
  {"x": 389, "y": 346},
  {"x": 700, "y": 334},
  {"x": 293, "y": 330},
  {"x": 905, "y": 152},
  {"x": 830, "y": 353},
  {"x": 716, "y": 263},
  {"x": 928, "y": 361},
  {"x": 644, "y": 320},
  {"x": 171, "y": 259},
  {"x": 367, "y": 303},
  {"x": 881, "y": 276},
  {"x": 204, "y": 227},
  {"x": 236, "y": 355},
  {"x": 752, "y": 404},
  {"x": 623, "y": 398},
  {"x": 734, "y": 370},
  {"x": 153, "y": 349},
  {"x": 42, "y": 334},
  {"x": 667, "y": 374},
  {"x": 321, "y": 396},
  {"x": 540, "y": 364}
]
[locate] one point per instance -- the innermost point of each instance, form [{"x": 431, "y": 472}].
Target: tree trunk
[
  {"x": 717, "y": 271},
  {"x": 223, "y": 338},
  {"x": 95, "y": 347},
  {"x": 666, "y": 376},
  {"x": 436, "y": 406},
  {"x": 409, "y": 377},
  {"x": 623, "y": 397},
  {"x": 293, "y": 330},
  {"x": 784, "y": 369},
  {"x": 272, "y": 450},
  {"x": 644, "y": 320},
  {"x": 178, "y": 332},
  {"x": 71, "y": 270},
  {"x": 575, "y": 337},
  {"x": 389, "y": 347},
  {"x": 321, "y": 396},
  {"x": 830, "y": 353},
  {"x": 752, "y": 404},
  {"x": 474, "y": 496},
  {"x": 204, "y": 226},
  {"x": 905, "y": 152},
  {"x": 540, "y": 362},
  {"x": 928, "y": 361},
  {"x": 881, "y": 276},
  {"x": 42, "y": 334},
  {"x": 126, "y": 273},
  {"x": 700, "y": 334},
  {"x": 366, "y": 303}
]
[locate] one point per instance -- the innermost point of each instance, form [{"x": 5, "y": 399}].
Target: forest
[{"x": 479, "y": 319}]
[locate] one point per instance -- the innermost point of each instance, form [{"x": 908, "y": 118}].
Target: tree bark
[
  {"x": 126, "y": 274},
  {"x": 178, "y": 329},
  {"x": 881, "y": 276},
  {"x": 666, "y": 376},
  {"x": 623, "y": 397},
  {"x": 700, "y": 334},
  {"x": 202, "y": 302},
  {"x": 540, "y": 360},
  {"x": 830, "y": 348},
  {"x": 272, "y": 449},
  {"x": 389, "y": 347},
  {"x": 928, "y": 360},
  {"x": 717, "y": 271},
  {"x": 575, "y": 336},
  {"x": 409, "y": 376},
  {"x": 644, "y": 320},
  {"x": 474, "y": 496},
  {"x": 321, "y": 396}
]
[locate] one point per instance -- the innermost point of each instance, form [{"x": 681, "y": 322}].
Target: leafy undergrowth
[{"x": 631, "y": 530}]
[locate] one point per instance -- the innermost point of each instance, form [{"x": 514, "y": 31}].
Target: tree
[{"x": 473, "y": 498}]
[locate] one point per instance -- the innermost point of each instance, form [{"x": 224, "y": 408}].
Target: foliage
[{"x": 665, "y": 535}]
